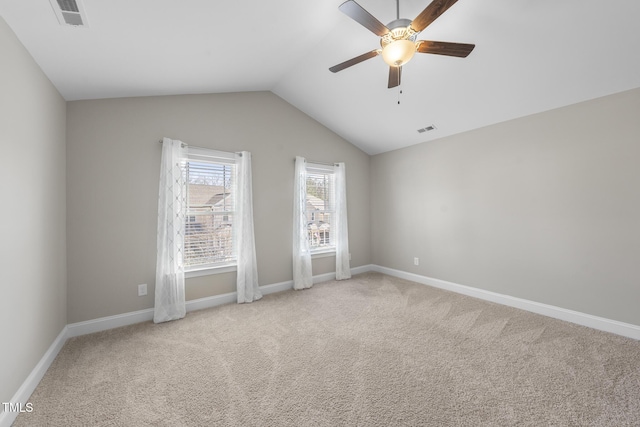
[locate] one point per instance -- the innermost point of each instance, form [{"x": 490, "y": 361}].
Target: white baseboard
[
  {"x": 276, "y": 287},
  {"x": 109, "y": 322},
  {"x": 595, "y": 322},
  {"x": 208, "y": 302},
  {"x": 362, "y": 269},
  {"x": 29, "y": 385}
]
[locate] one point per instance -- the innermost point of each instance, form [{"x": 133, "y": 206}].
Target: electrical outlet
[
  {"x": 416, "y": 261},
  {"x": 142, "y": 290}
]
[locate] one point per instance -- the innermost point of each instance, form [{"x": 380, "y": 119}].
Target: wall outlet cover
[{"x": 142, "y": 289}]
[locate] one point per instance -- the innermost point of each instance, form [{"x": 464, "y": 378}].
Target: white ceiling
[{"x": 530, "y": 56}]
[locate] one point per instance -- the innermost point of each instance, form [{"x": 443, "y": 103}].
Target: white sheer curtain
[
  {"x": 301, "y": 256},
  {"x": 247, "y": 281},
  {"x": 341, "y": 235},
  {"x": 169, "y": 297}
]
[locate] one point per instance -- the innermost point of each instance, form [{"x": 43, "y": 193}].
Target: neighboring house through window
[
  {"x": 321, "y": 207},
  {"x": 209, "y": 230}
]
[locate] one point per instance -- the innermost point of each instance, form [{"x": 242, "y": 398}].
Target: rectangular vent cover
[
  {"x": 69, "y": 12},
  {"x": 427, "y": 129},
  {"x": 68, "y": 5}
]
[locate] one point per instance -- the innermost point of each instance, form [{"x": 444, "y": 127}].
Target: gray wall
[
  {"x": 32, "y": 213},
  {"x": 546, "y": 208},
  {"x": 113, "y": 166}
]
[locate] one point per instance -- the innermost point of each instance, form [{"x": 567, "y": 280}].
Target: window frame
[
  {"x": 206, "y": 155},
  {"x": 319, "y": 169}
]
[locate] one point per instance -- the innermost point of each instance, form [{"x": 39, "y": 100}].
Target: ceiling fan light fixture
[
  {"x": 398, "y": 52},
  {"x": 398, "y": 37}
]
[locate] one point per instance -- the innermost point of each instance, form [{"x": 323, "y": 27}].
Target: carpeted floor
[{"x": 371, "y": 351}]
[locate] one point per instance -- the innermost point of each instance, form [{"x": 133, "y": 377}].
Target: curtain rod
[
  {"x": 319, "y": 163},
  {"x": 183, "y": 145},
  {"x": 201, "y": 148}
]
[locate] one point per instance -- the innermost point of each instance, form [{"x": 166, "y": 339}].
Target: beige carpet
[{"x": 371, "y": 351}]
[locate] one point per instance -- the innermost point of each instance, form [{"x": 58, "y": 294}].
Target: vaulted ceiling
[{"x": 530, "y": 56}]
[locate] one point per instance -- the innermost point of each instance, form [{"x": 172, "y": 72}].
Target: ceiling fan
[{"x": 398, "y": 38}]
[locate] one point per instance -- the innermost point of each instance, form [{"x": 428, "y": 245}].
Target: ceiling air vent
[
  {"x": 69, "y": 12},
  {"x": 426, "y": 129}
]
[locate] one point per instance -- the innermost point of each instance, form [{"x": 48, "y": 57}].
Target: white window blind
[
  {"x": 211, "y": 188},
  {"x": 320, "y": 209}
]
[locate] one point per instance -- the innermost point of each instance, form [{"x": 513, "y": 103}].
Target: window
[
  {"x": 209, "y": 231},
  {"x": 320, "y": 207}
]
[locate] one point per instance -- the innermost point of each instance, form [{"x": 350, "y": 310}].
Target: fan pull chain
[{"x": 399, "y": 93}]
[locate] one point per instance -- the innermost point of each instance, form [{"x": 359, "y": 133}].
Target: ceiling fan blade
[
  {"x": 431, "y": 13},
  {"x": 394, "y": 76},
  {"x": 356, "y": 12},
  {"x": 354, "y": 61},
  {"x": 461, "y": 50}
]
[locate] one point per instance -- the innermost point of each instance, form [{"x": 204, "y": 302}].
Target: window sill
[
  {"x": 323, "y": 253},
  {"x": 207, "y": 271}
]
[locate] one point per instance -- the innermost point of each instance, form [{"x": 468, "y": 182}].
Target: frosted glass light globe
[{"x": 398, "y": 52}]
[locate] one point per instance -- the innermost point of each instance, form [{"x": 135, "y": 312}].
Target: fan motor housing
[
  {"x": 398, "y": 23},
  {"x": 399, "y": 29}
]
